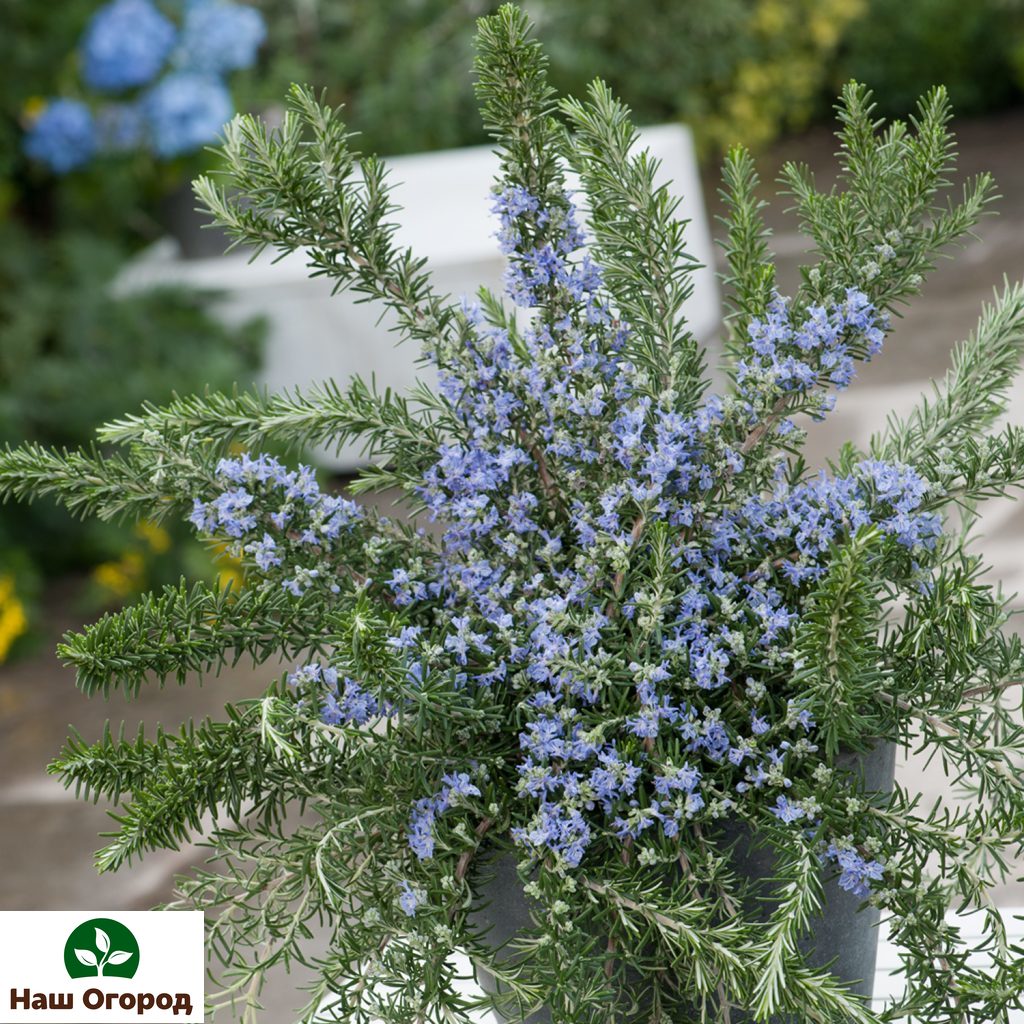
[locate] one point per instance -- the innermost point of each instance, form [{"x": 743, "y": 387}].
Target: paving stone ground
[{"x": 47, "y": 838}]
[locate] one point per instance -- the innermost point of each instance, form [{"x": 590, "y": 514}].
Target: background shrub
[
  {"x": 900, "y": 49},
  {"x": 749, "y": 68}
]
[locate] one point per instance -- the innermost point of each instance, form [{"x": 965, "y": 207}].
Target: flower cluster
[
  {"x": 546, "y": 528},
  {"x": 857, "y": 871},
  {"x": 528, "y": 602},
  {"x": 127, "y": 46},
  {"x": 535, "y": 593},
  {"x": 455, "y": 787},
  {"x": 184, "y": 111},
  {"x": 339, "y": 701},
  {"x": 279, "y": 517},
  {"x": 809, "y": 356},
  {"x": 218, "y": 38}
]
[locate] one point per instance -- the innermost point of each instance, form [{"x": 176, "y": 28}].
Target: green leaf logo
[{"x": 101, "y": 948}]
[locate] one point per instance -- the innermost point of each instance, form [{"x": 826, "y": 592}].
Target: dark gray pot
[
  {"x": 845, "y": 935},
  {"x": 190, "y": 226}
]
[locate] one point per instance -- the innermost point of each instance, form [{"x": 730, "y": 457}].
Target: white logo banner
[{"x": 70, "y": 967}]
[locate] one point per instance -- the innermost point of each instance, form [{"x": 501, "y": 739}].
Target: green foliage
[
  {"x": 894, "y": 645},
  {"x": 654, "y": 282},
  {"x": 750, "y": 277},
  {"x": 212, "y": 768},
  {"x": 837, "y": 657},
  {"x": 184, "y": 631},
  {"x": 885, "y": 225},
  {"x": 397, "y": 432},
  {"x": 340, "y": 214},
  {"x": 72, "y": 353},
  {"x": 973, "y": 395},
  {"x": 517, "y": 103}
]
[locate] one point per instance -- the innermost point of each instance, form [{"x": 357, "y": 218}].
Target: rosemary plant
[{"x": 640, "y": 619}]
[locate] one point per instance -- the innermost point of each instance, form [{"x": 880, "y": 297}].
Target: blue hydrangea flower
[
  {"x": 219, "y": 36},
  {"x": 63, "y": 136},
  {"x": 186, "y": 111},
  {"x": 126, "y": 45}
]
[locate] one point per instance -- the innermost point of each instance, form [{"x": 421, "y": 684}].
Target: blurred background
[{"x": 110, "y": 295}]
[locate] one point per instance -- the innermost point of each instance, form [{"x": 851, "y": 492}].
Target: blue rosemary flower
[
  {"x": 857, "y": 871},
  {"x": 280, "y": 519},
  {"x": 410, "y": 899}
]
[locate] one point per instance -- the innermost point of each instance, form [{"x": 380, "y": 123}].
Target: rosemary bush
[{"x": 640, "y": 619}]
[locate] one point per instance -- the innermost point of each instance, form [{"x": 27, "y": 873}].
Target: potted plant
[{"x": 646, "y": 671}]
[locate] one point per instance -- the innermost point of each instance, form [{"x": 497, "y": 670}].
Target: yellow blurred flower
[
  {"x": 121, "y": 577},
  {"x": 33, "y": 107},
  {"x": 158, "y": 539},
  {"x": 229, "y": 576},
  {"x": 229, "y": 568},
  {"x": 13, "y": 621},
  {"x": 776, "y": 87}
]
